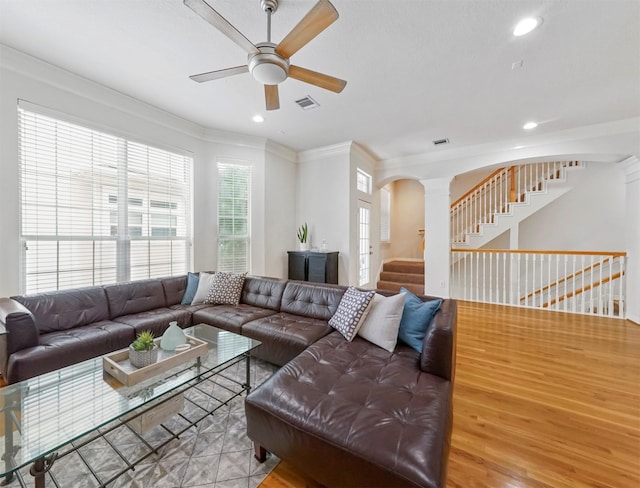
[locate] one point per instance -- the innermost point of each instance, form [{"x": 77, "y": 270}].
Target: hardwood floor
[{"x": 541, "y": 399}]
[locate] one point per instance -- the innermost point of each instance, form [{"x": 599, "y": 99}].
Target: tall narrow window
[
  {"x": 385, "y": 215},
  {"x": 234, "y": 185},
  {"x": 363, "y": 182},
  {"x": 364, "y": 243},
  {"x": 96, "y": 208}
]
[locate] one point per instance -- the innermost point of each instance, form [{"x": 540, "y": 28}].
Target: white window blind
[
  {"x": 96, "y": 208},
  {"x": 385, "y": 215},
  {"x": 234, "y": 189}
]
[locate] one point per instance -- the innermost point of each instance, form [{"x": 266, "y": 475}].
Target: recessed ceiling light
[
  {"x": 258, "y": 119},
  {"x": 526, "y": 25},
  {"x": 518, "y": 147},
  {"x": 530, "y": 125}
]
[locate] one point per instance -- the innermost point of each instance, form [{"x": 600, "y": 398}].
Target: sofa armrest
[
  {"x": 18, "y": 328},
  {"x": 439, "y": 345}
]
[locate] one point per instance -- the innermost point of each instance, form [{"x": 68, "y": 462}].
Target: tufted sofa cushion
[
  {"x": 65, "y": 347},
  {"x": 67, "y": 309},
  {"x": 284, "y": 335},
  {"x": 350, "y": 404},
  {"x": 135, "y": 297},
  {"x": 263, "y": 292},
  {"x": 174, "y": 288},
  {"x": 317, "y": 301}
]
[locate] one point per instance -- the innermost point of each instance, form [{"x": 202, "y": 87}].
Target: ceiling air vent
[
  {"x": 307, "y": 103},
  {"x": 437, "y": 142}
]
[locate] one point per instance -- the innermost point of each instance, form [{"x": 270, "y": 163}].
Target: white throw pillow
[
  {"x": 381, "y": 325},
  {"x": 204, "y": 285}
]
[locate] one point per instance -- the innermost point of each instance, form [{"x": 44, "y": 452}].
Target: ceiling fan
[{"x": 267, "y": 62}]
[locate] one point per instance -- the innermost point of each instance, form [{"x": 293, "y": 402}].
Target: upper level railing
[
  {"x": 586, "y": 282},
  {"x": 498, "y": 191}
]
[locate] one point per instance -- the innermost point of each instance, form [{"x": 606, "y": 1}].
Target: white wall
[
  {"x": 324, "y": 201},
  {"x": 279, "y": 210},
  {"x": 590, "y": 217},
  {"x": 407, "y": 216},
  {"x": 80, "y": 100},
  {"x": 464, "y": 182}
]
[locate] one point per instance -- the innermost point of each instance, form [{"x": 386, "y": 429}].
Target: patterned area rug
[{"x": 215, "y": 453}]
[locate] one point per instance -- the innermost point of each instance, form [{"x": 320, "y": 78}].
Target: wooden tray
[{"x": 117, "y": 363}]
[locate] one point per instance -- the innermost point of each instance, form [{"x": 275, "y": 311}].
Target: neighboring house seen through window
[{"x": 97, "y": 208}]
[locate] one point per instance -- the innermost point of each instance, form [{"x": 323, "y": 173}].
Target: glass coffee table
[{"x": 50, "y": 416}]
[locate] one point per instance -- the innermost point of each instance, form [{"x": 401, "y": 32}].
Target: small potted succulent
[
  {"x": 143, "y": 351},
  {"x": 303, "y": 235}
]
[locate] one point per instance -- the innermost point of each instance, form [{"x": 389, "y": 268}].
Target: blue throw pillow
[
  {"x": 416, "y": 319},
  {"x": 192, "y": 286}
]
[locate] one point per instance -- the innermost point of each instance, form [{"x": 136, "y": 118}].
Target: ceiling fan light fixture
[
  {"x": 268, "y": 73},
  {"x": 268, "y": 67}
]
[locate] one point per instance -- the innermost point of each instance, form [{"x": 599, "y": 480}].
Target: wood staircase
[{"x": 407, "y": 274}]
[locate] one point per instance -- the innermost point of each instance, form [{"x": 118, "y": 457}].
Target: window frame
[
  {"x": 233, "y": 239},
  {"x": 103, "y": 182}
]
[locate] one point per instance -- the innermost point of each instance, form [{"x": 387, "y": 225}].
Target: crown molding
[
  {"x": 341, "y": 149},
  {"x": 281, "y": 151}
]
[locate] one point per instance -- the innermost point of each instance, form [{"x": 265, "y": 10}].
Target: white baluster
[
  {"x": 526, "y": 278},
  {"x": 557, "y": 283},
  {"x": 505, "y": 299},
  {"x": 517, "y": 258}
]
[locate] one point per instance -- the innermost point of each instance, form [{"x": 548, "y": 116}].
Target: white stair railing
[
  {"x": 496, "y": 193},
  {"x": 581, "y": 282}
]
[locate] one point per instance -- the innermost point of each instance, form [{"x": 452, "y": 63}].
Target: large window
[
  {"x": 96, "y": 208},
  {"x": 234, "y": 184}
]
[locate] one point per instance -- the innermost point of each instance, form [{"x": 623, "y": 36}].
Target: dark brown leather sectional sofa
[{"x": 349, "y": 414}]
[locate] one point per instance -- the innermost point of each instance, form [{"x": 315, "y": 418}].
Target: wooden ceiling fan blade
[
  {"x": 321, "y": 16},
  {"x": 271, "y": 96},
  {"x": 220, "y": 73},
  {"x": 206, "y": 11},
  {"x": 318, "y": 79}
]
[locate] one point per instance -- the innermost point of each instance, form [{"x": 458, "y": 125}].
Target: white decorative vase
[
  {"x": 172, "y": 337},
  {"x": 140, "y": 359},
  {"x": 304, "y": 246}
]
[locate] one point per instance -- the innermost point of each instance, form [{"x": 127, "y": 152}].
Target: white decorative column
[
  {"x": 632, "y": 236},
  {"x": 437, "y": 236}
]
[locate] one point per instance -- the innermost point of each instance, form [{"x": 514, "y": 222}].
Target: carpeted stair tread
[
  {"x": 412, "y": 267},
  {"x": 402, "y": 277},
  {"x": 392, "y": 286},
  {"x": 398, "y": 274}
]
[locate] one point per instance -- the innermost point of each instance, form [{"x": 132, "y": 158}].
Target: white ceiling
[{"x": 417, "y": 70}]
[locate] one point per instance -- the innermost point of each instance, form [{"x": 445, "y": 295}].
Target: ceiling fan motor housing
[{"x": 268, "y": 67}]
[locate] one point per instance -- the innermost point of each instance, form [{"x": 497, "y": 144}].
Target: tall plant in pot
[
  {"x": 303, "y": 236},
  {"x": 143, "y": 351}
]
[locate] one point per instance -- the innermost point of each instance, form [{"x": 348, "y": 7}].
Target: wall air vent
[
  {"x": 307, "y": 103},
  {"x": 437, "y": 142}
]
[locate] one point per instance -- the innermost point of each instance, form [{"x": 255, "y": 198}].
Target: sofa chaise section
[{"x": 351, "y": 414}]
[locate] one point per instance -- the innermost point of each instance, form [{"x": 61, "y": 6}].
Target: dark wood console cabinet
[{"x": 320, "y": 267}]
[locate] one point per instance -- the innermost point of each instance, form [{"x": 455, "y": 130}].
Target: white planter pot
[{"x": 303, "y": 246}]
